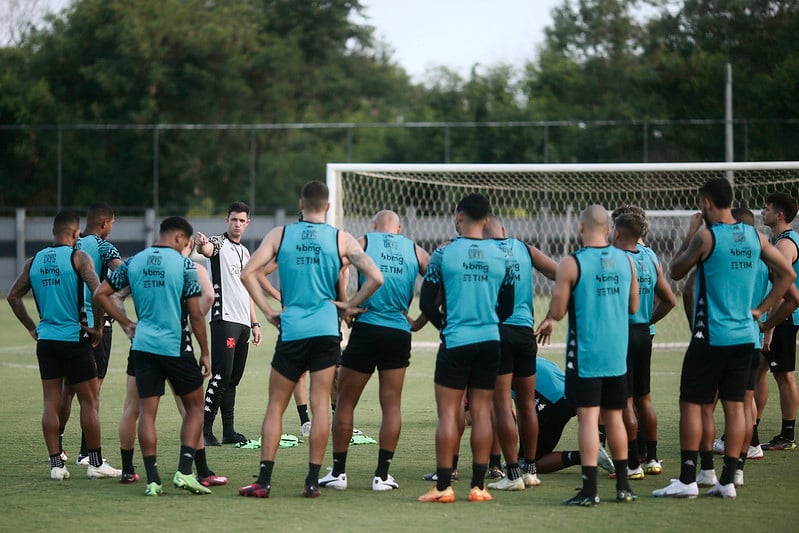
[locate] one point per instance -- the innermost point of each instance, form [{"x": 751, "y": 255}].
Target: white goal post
[{"x": 540, "y": 203}]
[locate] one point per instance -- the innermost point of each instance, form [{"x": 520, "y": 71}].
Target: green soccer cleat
[
  {"x": 153, "y": 489},
  {"x": 189, "y": 482}
]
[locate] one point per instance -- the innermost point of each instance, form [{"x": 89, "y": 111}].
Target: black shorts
[
  {"x": 707, "y": 369},
  {"x": 782, "y": 356},
  {"x": 102, "y": 352},
  {"x": 293, "y": 358},
  {"x": 63, "y": 359},
  {"x": 473, "y": 365},
  {"x": 517, "y": 349},
  {"x": 131, "y": 369},
  {"x": 605, "y": 392},
  {"x": 639, "y": 360},
  {"x": 153, "y": 370},
  {"x": 552, "y": 419},
  {"x": 750, "y": 383},
  {"x": 377, "y": 347}
]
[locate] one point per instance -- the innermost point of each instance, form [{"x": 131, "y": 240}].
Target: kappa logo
[{"x": 699, "y": 335}]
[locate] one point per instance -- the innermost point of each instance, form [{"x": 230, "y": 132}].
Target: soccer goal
[{"x": 540, "y": 203}]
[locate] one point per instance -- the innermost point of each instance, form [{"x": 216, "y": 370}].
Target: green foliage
[{"x": 244, "y": 62}]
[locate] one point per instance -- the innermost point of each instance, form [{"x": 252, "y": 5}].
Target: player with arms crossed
[
  {"x": 309, "y": 256},
  {"x": 719, "y": 356}
]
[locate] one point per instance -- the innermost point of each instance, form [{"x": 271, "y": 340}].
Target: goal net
[{"x": 540, "y": 204}]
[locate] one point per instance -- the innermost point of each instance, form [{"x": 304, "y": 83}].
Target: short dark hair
[
  {"x": 785, "y": 203},
  {"x": 64, "y": 221},
  {"x": 630, "y": 224},
  {"x": 176, "y": 224},
  {"x": 475, "y": 206},
  {"x": 634, "y": 209},
  {"x": 718, "y": 191},
  {"x": 742, "y": 214},
  {"x": 98, "y": 212},
  {"x": 239, "y": 207},
  {"x": 315, "y": 194}
]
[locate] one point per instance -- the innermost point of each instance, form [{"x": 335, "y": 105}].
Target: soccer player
[
  {"x": 301, "y": 389},
  {"x": 130, "y": 411},
  {"x": 309, "y": 256},
  {"x": 517, "y": 366},
  {"x": 105, "y": 256},
  {"x": 718, "y": 358},
  {"x": 598, "y": 287},
  {"x": 57, "y": 275},
  {"x": 655, "y": 301},
  {"x": 467, "y": 291},
  {"x": 233, "y": 319},
  {"x": 380, "y": 339},
  {"x": 164, "y": 286},
  {"x": 779, "y": 212}
]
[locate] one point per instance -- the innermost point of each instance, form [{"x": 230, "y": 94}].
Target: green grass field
[{"x": 32, "y": 502}]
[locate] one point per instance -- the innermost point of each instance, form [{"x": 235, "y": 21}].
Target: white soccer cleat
[
  {"x": 530, "y": 480},
  {"x": 305, "y": 429},
  {"x": 723, "y": 491},
  {"x": 755, "y": 452},
  {"x": 718, "y": 446},
  {"x": 706, "y": 478},
  {"x": 384, "y": 484},
  {"x": 507, "y": 483},
  {"x": 677, "y": 489},
  {"x": 103, "y": 471},
  {"x": 653, "y": 468},
  {"x": 330, "y": 481},
  {"x": 739, "y": 478},
  {"x": 59, "y": 473}
]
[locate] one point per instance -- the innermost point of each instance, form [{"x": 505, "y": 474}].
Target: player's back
[
  {"x": 724, "y": 283},
  {"x": 59, "y": 294},
  {"x": 309, "y": 262},
  {"x": 472, "y": 272},
  {"x": 598, "y": 312},
  {"x": 160, "y": 279},
  {"x": 395, "y": 256},
  {"x": 521, "y": 266}
]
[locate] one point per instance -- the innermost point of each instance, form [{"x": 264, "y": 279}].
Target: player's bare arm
[
  {"x": 21, "y": 287},
  {"x": 85, "y": 268},
  {"x": 102, "y": 298},
  {"x": 266, "y": 285},
  {"x": 203, "y": 245},
  {"x": 542, "y": 262},
  {"x": 266, "y": 253},
  {"x": 565, "y": 279},
  {"x": 782, "y": 278},
  {"x": 665, "y": 300},
  {"x": 694, "y": 249},
  {"x": 373, "y": 277},
  {"x": 635, "y": 297}
]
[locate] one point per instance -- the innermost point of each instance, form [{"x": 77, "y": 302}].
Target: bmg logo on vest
[{"x": 741, "y": 253}]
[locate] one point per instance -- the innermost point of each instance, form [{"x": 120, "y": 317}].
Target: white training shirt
[{"x": 231, "y": 299}]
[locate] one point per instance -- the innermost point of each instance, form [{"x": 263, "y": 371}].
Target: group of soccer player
[{"x": 477, "y": 289}]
